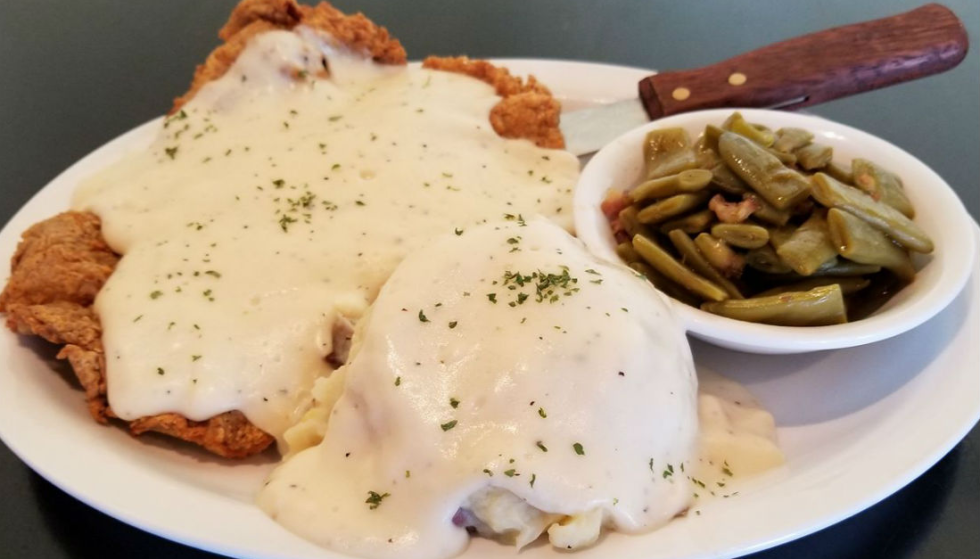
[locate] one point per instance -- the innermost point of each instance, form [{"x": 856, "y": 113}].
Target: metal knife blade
[
  {"x": 587, "y": 130},
  {"x": 790, "y": 74}
]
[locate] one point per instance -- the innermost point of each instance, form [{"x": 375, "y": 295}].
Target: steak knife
[{"x": 790, "y": 74}]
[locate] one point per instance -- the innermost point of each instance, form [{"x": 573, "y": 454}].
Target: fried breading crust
[
  {"x": 58, "y": 268},
  {"x": 62, "y": 262},
  {"x": 251, "y": 17},
  {"x": 527, "y": 110}
]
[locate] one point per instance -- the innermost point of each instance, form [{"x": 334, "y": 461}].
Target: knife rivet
[
  {"x": 681, "y": 93},
  {"x": 737, "y": 78}
]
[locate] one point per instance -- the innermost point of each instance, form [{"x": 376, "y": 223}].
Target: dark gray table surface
[{"x": 73, "y": 75}]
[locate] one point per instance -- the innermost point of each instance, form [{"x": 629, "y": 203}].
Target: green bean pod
[
  {"x": 814, "y": 156},
  {"x": 667, "y": 152},
  {"x": 758, "y": 134},
  {"x": 684, "y": 182},
  {"x": 788, "y": 159},
  {"x": 883, "y": 217},
  {"x": 809, "y": 247},
  {"x": 839, "y": 268},
  {"x": 840, "y": 172},
  {"x": 668, "y": 287},
  {"x": 777, "y": 184},
  {"x": 626, "y": 253},
  {"x": 727, "y": 181},
  {"x": 766, "y": 260},
  {"x": 741, "y": 235},
  {"x": 671, "y": 207},
  {"x": 791, "y": 139},
  {"x": 819, "y": 306},
  {"x": 848, "y": 285},
  {"x": 664, "y": 263},
  {"x": 691, "y": 223},
  {"x": 711, "y": 135},
  {"x": 692, "y": 258},
  {"x": 767, "y": 212},
  {"x": 858, "y": 241},
  {"x": 720, "y": 255},
  {"x": 631, "y": 223},
  {"x": 882, "y": 185}
]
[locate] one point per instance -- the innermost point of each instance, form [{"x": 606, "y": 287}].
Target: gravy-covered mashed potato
[
  {"x": 274, "y": 204},
  {"x": 508, "y": 380}
]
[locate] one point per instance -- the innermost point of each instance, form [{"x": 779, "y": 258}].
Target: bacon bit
[
  {"x": 732, "y": 212},
  {"x": 615, "y": 202}
]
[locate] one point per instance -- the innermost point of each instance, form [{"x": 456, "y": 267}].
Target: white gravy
[
  {"x": 269, "y": 205},
  {"x": 583, "y": 399}
]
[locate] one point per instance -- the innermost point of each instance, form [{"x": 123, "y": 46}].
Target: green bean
[
  {"x": 742, "y": 235},
  {"x": 688, "y": 181},
  {"x": 631, "y": 223},
  {"x": 720, "y": 255},
  {"x": 858, "y": 241},
  {"x": 626, "y": 253},
  {"x": 779, "y": 235},
  {"x": 668, "y": 287},
  {"x": 848, "y": 285},
  {"x": 667, "y": 152},
  {"x": 809, "y": 247},
  {"x": 758, "y": 134},
  {"x": 814, "y": 156},
  {"x": 692, "y": 258},
  {"x": 791, "y": 139},
  {"x": 671, "y": 207},
  {"x": 887, "y": 219},
  {"x": 711, "y": 135},
  {"x": 777, "y": 184},
  {"x": 766, "y": 260},
  {"x": 882, "y": 185},
  {"x": 705, "y": 157},
  {"x": 692, "y": 223},
  {"x": 768, "y": 213},
  {"x": 839, "y": 268},
  {"x": 663, "y": 262},
  {"x": 787, "y": 159},
  {"x": 840, "y": 172},
  {"x": 820, "y": 306},
  {"x": 725, "y": 180}
]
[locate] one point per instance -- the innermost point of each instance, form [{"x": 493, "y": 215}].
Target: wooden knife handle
[{"x": 817, "y": 67}]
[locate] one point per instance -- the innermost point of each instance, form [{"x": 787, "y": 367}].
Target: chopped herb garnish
[
  {"x": 160, "y": 371},
  {"x": 510, "y": 473},
  {"x": 453, "y": 324},
  {"x": 195, "y": 357},
  {"x": 458, "y": 232},
  {"x": 454, "y": 403},
  {"x": 448, "y": 425},
  {"x": 542, "y": 413},
  {"x": 398, "y": 381},
  {"x": 492, "y": 297},
  {"x": 488, "y": 472},
  {"x": 171, "y": 152},
  {"x": 541, "y": 446},
  {"x": 422, "y": 317},
  {"x": 156, "y": 294},
  {"x": 534, "y": 478},
  {"x": 578, "y": 449},
  {"x": 374, "y": 499}
]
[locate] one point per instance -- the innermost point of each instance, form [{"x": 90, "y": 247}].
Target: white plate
[{"x": 856, "y": 424}]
